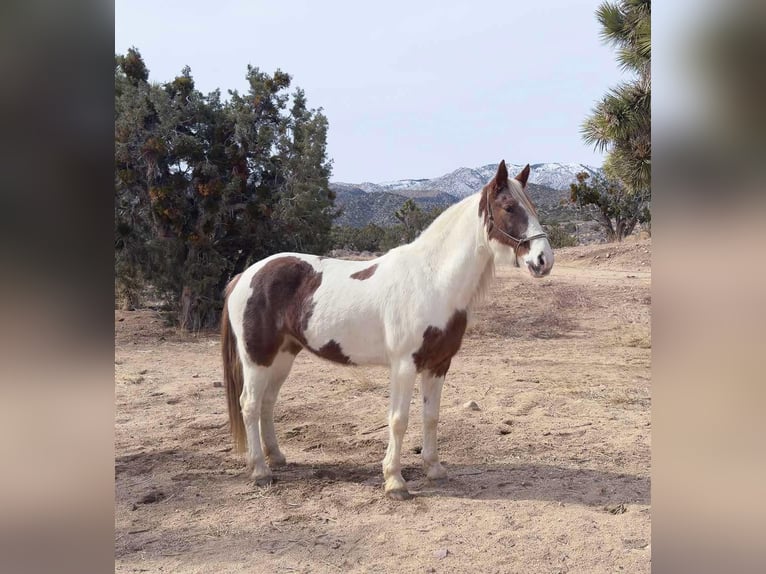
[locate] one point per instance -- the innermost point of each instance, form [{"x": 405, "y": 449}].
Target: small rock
[
  {"x": 441, "y": 553},
  {"x": 608, "y": 255},
  {"x": 503, "y": 430},
  {"x": 195, "y": 376},
  {"x": 471, "y": 406},
  {"x": 417, "y": 449},
  {"x": 151, "y": 497},
  {"x": 615, "y": 508},
  {"x": 173, "y": 401},
  {"x": 217, "y": 384}
]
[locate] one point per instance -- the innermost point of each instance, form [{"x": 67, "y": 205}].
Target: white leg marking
[
  {"x": 256, "y": 381},
  {"x": 432, "y": 393},
  {"x": 280, "y": 369},
  {"x": 402, "y": 381}
]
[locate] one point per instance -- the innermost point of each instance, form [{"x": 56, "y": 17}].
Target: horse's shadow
[
  {"x": 529, "y": 481},
  {"x": 491, "y": 481}
]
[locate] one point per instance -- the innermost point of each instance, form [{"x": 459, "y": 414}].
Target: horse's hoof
[
  {"x": 263, "y": 480},
  {"x": 399, "y": 494},
  {"x": 436, "y": 474}
]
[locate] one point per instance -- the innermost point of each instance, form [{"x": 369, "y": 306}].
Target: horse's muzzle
[{"x": 538, "y": 270}]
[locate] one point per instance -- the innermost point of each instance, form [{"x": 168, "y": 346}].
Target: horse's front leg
[
  {"x": 402, "y": 380},
  {"x": 432, "y": 392}
]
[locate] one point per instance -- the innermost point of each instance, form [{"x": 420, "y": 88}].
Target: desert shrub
[{"x": 559, "y": 236}]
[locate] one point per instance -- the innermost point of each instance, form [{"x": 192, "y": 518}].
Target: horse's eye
[{"x": 509, "y": 208}]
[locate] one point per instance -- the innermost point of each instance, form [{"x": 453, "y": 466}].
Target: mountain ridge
[
  {"x": 366, "y": 202},
  {"x": 464, "y": 181}
]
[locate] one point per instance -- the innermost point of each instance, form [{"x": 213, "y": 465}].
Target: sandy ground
[{"x": 550, "y": 475}]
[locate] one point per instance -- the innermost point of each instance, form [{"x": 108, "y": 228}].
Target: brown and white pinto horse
[{"x": 407, "y": 310}]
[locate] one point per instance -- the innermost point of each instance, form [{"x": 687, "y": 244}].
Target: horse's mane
[{"x": 444, "y": 225}]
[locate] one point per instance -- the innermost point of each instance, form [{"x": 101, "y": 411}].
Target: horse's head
[{"x": 510, "y": 218}]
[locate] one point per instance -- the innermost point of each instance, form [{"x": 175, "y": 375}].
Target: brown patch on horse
[
  {"x": 508, "y": 213},
  {"x": 365, "y": 273},
  {"x": 440, "y": 345},
  {"x": 332, "y": 351},
  {"x": 281, "y": 304},
  {"x": 507, "y": 210}
]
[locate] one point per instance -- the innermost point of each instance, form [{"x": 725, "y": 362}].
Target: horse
[{"x": 407, "y": 310}]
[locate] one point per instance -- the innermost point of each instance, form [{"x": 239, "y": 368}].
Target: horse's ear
[
  {"x": 501, "y": 177},
  {"x": 523, "y": 176}
]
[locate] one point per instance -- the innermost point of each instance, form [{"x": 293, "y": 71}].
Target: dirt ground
[{"x": 551, "y": 474}]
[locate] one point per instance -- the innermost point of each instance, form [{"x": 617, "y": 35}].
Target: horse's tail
[{"x": 232, "y": 373}]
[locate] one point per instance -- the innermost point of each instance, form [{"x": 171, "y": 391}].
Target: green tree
[
  {"x": 621, "y": 122},
  {"x": 609, "y": 202},
  {"x": 134, "y": 119},
  {"x": 204, "y": 187},
  {"x": 409, "y": 215},
  {"x": 306, "y": 204},
  {"x": 559, "y": 236},
  {"x": 414, "y": 220},
  {"x": 367, "y": 238}
]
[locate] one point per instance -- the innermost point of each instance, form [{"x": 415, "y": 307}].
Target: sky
[{"x": 411, "y": 89}]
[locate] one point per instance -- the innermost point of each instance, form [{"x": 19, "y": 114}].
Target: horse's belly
[{"x": 351, "y": 341}]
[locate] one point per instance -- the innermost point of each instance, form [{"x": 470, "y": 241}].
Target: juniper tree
[
  {"x": 202, "y": 185},
  {"x": 610, "y": 203}
]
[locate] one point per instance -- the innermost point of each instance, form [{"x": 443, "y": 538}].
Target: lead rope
[{"x": 508, "y": 235}]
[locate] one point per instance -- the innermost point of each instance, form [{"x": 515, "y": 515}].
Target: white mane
[{"x": 461, "y": 223}]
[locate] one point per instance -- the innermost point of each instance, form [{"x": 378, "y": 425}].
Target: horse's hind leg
[
  {"x": 256, "y": 381},
  {"x": 280, "y": 368},
  {"x": 432, "y": 393}
]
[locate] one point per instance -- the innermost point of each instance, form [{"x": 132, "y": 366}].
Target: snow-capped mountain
[{"x": 464, "y": 181}]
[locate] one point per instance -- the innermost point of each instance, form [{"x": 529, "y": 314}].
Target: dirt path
[{"x": 550, "y": 475}]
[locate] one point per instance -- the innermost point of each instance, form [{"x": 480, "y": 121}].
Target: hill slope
[{"x": 366, "y": 202}]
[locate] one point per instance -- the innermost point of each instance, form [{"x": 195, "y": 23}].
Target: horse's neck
[{"x": 456, "y": 252}]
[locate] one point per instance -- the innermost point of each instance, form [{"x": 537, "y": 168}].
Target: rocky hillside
[
  {"x": 366, "y": 202},
  {"x": 361, "y": 207}
]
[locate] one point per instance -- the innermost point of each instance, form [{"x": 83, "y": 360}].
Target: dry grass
[
  {"x": 549, "y": 312},
  {"x": 635, "y": 337},
  {"x": 628, "y": 396}
]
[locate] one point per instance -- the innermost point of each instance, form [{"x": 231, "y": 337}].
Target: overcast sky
[{"x": 411, "y": 89}]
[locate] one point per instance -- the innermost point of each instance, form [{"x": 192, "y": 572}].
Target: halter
[{"x": 518, "y": 240}]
